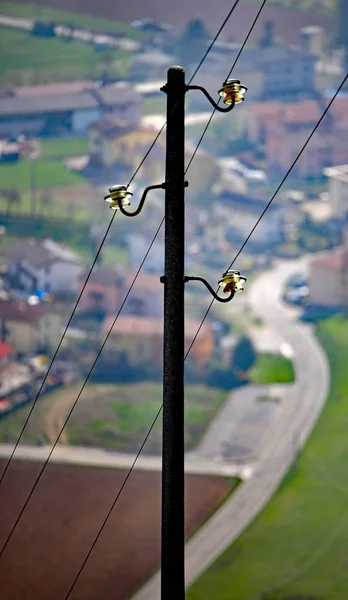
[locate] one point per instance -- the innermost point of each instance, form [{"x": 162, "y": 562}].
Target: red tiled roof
[
  {"x": 5, "y": 349},
  {"x": 17, "y": 310}
]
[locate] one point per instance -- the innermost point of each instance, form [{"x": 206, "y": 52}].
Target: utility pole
[
  {"x": 174, "y": 279},
  {"x": 173, "y": 540}
]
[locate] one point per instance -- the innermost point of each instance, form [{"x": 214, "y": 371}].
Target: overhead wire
[
  {"x": 100, "y": 248},
  {"x": 56, "y": 351},
  {"x": 190, "y": 81},
  {"x": 109, "y": 332},
  {"x": 195, "y": 337},
  {"x": 228, "y": 76},
  {"x": 38, "y": 477},
  {"x": 160, "y": 409},
  {"x": 342, "y": 523},
  {"x": 271, "y": 200}
]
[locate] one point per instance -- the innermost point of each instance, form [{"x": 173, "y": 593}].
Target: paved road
[
  {"x": 301, "y": 406},
  {"x": 80, "y": 455}
]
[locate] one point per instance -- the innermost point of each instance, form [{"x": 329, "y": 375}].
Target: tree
[
  {"x": 46, "y": 201},
  {"x": 13, "y": 197},
  {"x": 243, "y": 356},
  {"x": 193, "y": 42}
]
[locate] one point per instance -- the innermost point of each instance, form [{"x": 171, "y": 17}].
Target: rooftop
[
  {"x": 11, "y": 104},
  {"x": 17, "y": 310},
  {"x": 340, "y": 173},
  {"x": 116, "y": 94},
  {"x": 40, "y": 253}
]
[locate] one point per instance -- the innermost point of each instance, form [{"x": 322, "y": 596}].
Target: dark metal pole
[{"x": 173, "y": 556}]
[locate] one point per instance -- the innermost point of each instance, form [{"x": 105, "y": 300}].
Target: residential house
[
  {"x": 146, "y": 296},
  {"x": 47, "y": 114},
  {"x": 114, "y": 144},
  {"x": 239, "y": 213},
  {"x": 268, "y": 124},
  {"x": 270, "y": 69},
  {"x": 328, "y": 279},
  {"x": 120, "y": 101},
  {"x": 45, "y": 265},
  {"x": 338, "y": 190},
  {"x": 139, "y": 340},
  {"x": 30, "y": 329},
  {"x": 103, "y": 290},
  {"x": 66, "y": 108}
]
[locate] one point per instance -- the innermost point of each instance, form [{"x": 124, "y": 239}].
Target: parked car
[
  {"x": 297, "y": 281},
  {"x": 296, "y": 295}
]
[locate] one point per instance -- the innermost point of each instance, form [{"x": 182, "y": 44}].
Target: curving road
[{"x": 300, "y": 408}]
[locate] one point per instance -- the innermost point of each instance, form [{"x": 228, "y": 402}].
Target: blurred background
[{"x": 80, "y": 106}]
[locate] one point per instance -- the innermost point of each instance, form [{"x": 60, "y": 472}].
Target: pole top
[{"x": 177, "y": 69}]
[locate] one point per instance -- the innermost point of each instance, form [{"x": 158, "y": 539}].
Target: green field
[
  {"x": 30, "y": 11},
  {"x": 271, "y": 368},
  {"x": 112, "y": 416},
  {"x": 58, "y": 148},
  {"x": 27, "y": 59},
  {"x": 47, "y": 173},
  {"x": 298, "y": 544}
]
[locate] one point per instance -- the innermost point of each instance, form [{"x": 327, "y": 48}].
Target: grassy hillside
[
  {"x": 297, "y": 545},
  {"x": 112, "y": 416}
]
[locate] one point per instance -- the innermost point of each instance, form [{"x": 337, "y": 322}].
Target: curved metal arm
[
  {"x": 141, "y": 203},
  {"x": 214, "y": 294},
  {"x": 212, "y": 102}
]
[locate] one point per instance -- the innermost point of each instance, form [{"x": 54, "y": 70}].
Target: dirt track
[{"x": 287, "y": 21}]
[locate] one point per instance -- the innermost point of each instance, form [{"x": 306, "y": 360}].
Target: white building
[
  {"x": 240, "y": 212},
  {"x": 338, "y": 190},
  {"x": 45, "y": 265}
]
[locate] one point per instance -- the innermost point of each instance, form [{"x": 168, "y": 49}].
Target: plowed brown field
[{"x": 63, "y": 517}]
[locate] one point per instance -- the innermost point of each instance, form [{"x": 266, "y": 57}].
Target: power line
[
  {"x": 271, "y": 200},
  {"x": 75, "y": 402},
  {"x": 213, "y": 42},
  {"x": 160, "y": 409},
  {"x": 108, "y": 334},
  {"x": 228, "y": 76},
  {"x": 190, "y": 81},
  {"x": 100, "y": 248},
  {"x": 57, "y": 349},
  {"x": 112, "y": 506},
  {"x": 204, "y": 318}
]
